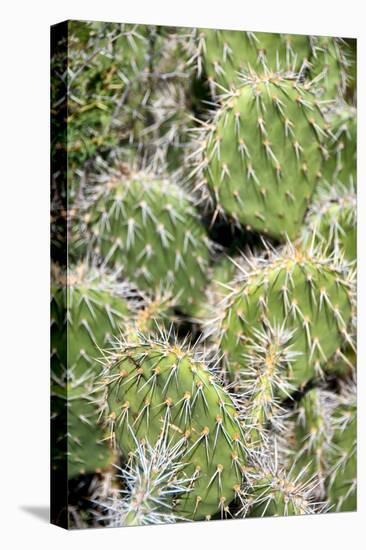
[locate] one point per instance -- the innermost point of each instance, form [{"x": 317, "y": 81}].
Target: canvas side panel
[{"x": 59, "y": 492}]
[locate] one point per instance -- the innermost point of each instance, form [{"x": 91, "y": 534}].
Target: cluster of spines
[
  {"x": 268, "y": 361},
  {"x": 151, "y": 481},
  {"x": 314, "y": 435}
]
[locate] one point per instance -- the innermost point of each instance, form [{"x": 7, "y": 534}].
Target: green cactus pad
[
  {"x": 276, "y": 492},
  {"x": 340, "y": 165},
  {"x": 329, "y": 65},
  {"x": 263, "y": 154},
  {"x": 331, "y": 222},
  {"x": 226, "y": 53},
  {"x": 158, "y": 390},
  {"x": 87, "y": 450},
  {"x": 269, "y": 360},
  {"x": 149, "y": 227},
  {"x": 313, "y": 436},
  {"x": 87, "y": 311},
  {"x": 302, "y": 292},
  {"x": 342, "y": 481},
  {"x": 324, "y": 444}
]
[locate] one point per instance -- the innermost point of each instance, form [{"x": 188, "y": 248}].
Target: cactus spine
[{"x": 151, "y": 478}]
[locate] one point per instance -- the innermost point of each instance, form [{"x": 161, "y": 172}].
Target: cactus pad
[
  {"x": 154, "y": 390},
  {"x": 149, "y": 227},
  {"x": 304, "y": 293},
  {"x": 263, "y": 154}
]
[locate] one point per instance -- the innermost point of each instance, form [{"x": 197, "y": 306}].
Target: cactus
[
  {"x": 342, "y": 482},
  {"x": 325, "y": 444},
  {"x": 126, "y": 90},
  {"x": 203, "y": 299},
  {"x": 87, "y": 450},
  {"x": 95, "y": 308},
  {"x": 276, "y": 492},
  {"x": 152, "y": 481},
  {"x": 269, "y": 360},
  {"x": 224, "y": 54},
  {"x": 262, "y": 154},
  {"x": 340, "y": 165},
  {"x": 330, "y": 65},
  {"x": 87, "y": 308},
  {"x": 331, "y": 221},
  {"x": 220, "y": 275},
  {"x": 313, "y": 433},
  {"x": 149, "y": 227},
  {"x": 156, "y": 389},
  {"x": 301, "y": 291}
]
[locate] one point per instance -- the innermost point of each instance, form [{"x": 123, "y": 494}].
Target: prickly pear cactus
[
  {"x": 151, "y": 478},
  {"x": 313, "y": 433},
  {"x": 329, "y": 65},
  {"x": 208, "y": 355},
  {"x": 158, "y": 390},
  {"x": 87, "y": 450},
  {"x": 87, "y": 309},
  {"x": 340, "y": 165},
  {"x": 149, "y": 227},
  {"x": 301, "y": 291},
  {"x": 332, "y": 221},
  {"x": 262, "y": 154},
  {"x": 325, "y": 444},
  {"x": 342, "y": 479},
  {"x": 275, "y": 492},
  {"x": 224, "y": 54},
  {"x": 269, "y": 358}
]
